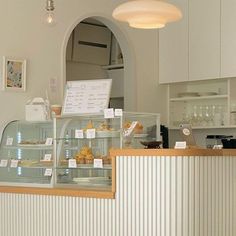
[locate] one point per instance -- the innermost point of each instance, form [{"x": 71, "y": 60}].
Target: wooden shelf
[
  {"x": 207, "y": 127},
  {"x": 198, "y": 98},
  {"x": 113, "y": 67}
]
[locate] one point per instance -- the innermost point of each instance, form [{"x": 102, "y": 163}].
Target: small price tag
[
  {"x": 180, "y": 145},
  {"x": 9, "y": 141},
  {"x": 14, "y": 163},
  {"x": 219, "y": 146},
  {"x": 47, "y": 157},
  {"x": 97, "y": 163},
  {"x": 72, "y": 163},
  {"x": 119, "y": 112},
  {"x": 48, "y": 172},
  {"x": 108, "y": 113},
  {"x": 48, "y": 141},
  {"x": 79, "y": 133},
  {"x": 90, "y": 133},
  {"x": 3, "y": 163}
]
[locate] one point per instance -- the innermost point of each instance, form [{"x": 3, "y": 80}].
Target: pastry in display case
[{"x": 26, "y": 154}]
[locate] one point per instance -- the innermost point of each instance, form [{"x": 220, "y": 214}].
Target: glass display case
[
  {"x": 26, "y": 154},
  {"x": 83, "y": 144},
  {"x": 82, "y": 148},
  {"x": 71, "y": 152}
]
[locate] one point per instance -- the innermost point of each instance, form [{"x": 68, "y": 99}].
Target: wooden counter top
[
  {"x": 173, "y": 152},
  {"x": 59, "y": 192}
]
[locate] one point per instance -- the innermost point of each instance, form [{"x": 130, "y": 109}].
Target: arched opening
[{"x": 74, "y": 62}]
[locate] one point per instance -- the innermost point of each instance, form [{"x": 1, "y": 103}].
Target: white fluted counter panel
[{"x": 156, "y": 196}]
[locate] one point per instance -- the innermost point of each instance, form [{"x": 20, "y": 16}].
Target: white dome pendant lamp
[{"x": 147, "y": 14}]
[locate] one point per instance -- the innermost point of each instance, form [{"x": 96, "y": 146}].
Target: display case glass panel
[{"x": 26, "y": 154}]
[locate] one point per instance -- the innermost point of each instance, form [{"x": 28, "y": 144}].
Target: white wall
[
  {"x": 81, "y": 71},
  {"x": 23, "y": 35}
]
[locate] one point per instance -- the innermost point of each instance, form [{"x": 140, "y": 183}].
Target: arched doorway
[{"x": 127, "y": 65}]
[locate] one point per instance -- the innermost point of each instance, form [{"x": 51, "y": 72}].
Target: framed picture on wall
[{"x": 14, "y": 74}]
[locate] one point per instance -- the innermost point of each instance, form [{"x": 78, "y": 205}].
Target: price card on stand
[
  {"x": 72, "y": 163},
  {"x": 97, "y": 163},
  {"x": 9, "y": 141},
  {"x": 47, "y": 157},
  {"x": 48, "y": 172},
  {"x": 3, "y": 163},
  {"x": 119, "y": 112},
  {"x": 14, "y": 163},
  {"x": 48, "y": 141},
  {"x": 79, "y": 133},
  {"x": 109, "y": 113},
  {"x": 130, "y": 129},
  {"x": 90, "y": 133},
  {"x": 180, "y": 145}
]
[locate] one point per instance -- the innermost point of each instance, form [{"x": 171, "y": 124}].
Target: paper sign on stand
[
  {"x": 14, "y": 163},
  {"x": 130, "y": 129},
  {"x": 9, "y": 142},
  {"x": 48, "y": 172},
  {"x": 109, "y": 113},
  {"x": 86, "y": 96},
  {"x": 119, "y": 112},
  {"x": 79, "y": 133},
  {"x": 48, "y": 141},
  {"x": 47, "y": 157},
  {"x": 3, "y": 163},
  {"x": 97, "y": 163},
  {"x": 72, "y": 163},
  {"x": 180, "y": 145},
  {"x": 90, "y": 133}
]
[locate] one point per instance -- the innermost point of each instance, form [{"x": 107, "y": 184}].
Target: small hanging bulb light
[
  {"x": 50, "y": 18},
  {"x": 147, "y": 14}
]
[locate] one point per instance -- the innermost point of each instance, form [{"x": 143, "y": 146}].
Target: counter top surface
[{"x": 173, "y": 152}]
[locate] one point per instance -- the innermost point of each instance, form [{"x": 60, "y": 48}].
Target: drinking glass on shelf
[
  {"x": 218, "y": 116},
  {"x": 194, "y": 118},
  {"x": 200, "y": 116},
  {"x": 186, "y": 118},
  {"x": 207, "y": 116}
]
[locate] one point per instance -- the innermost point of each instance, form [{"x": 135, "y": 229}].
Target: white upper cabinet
[
  {"x": 204, "y": 39},
  {"x": 228, "y": 38},
  {"x": 173, "y": 48},
  {"x": 201, "y": 45}
]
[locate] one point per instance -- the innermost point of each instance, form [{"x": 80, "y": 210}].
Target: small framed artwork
[{"x": 14, "y": 74}]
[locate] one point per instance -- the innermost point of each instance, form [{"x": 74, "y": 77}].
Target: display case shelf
[{"x": 85, "y": 166}]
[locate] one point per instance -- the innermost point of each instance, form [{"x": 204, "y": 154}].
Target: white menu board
[{"x": 86, "y": 96}]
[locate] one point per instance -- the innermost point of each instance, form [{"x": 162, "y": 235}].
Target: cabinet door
[
  {"x": 204, "y": 39},
  {"x": 173, "y": 48},
  {"x": 228, "y": 38}
]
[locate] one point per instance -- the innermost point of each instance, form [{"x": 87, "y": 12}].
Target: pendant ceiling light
[
  {"x": 50, "y": 16},
  {"x": 147, "y": 14}
]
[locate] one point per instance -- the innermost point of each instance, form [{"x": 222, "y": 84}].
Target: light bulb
[{"x": 50, "y": 18}]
